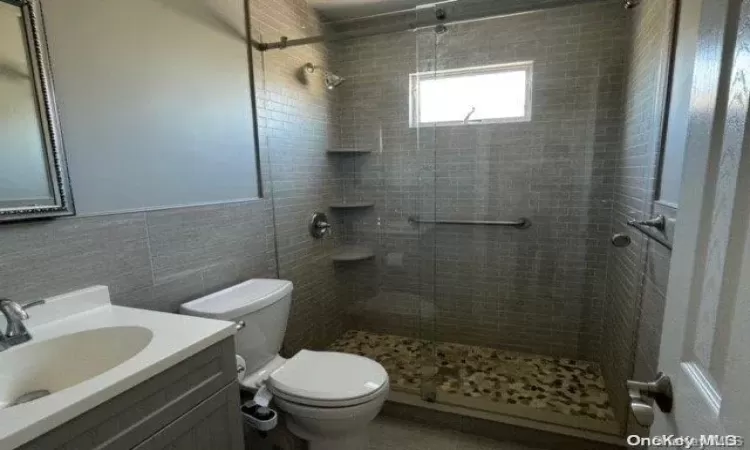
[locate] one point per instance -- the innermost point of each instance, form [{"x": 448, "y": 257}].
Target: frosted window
[{"x": 499, "y": 93}]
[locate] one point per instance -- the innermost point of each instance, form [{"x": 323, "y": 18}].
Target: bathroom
[{"x": 480, "y": 197}]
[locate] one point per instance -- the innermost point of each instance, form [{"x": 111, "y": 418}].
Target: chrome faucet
[{"x": 15, "y": 332}]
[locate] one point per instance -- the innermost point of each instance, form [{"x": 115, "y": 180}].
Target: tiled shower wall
[
  {"x": 539, "y": 289},
  {"x": 637, "y": 275},
  {"x": 296, "y": 127}
]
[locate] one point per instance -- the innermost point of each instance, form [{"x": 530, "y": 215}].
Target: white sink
[
  {"x": 85, "y": 351},
  {"x": 59, "y": 363}
]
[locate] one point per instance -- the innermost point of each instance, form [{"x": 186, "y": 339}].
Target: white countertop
[{"x": 175, "y": 338}]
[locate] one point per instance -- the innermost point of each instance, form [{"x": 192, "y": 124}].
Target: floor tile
[
  {"x": 558, "y": 390},
  {"x": 393, "y": 434}
]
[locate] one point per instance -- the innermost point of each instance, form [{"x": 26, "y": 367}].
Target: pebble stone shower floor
[{"x": 557, "y": 390}]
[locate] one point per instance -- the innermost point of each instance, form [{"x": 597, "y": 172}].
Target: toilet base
[
  {"x": 343, "y": 428},
  {"x": 357, "y": 441},
  {"x": 329, "y": 437}
]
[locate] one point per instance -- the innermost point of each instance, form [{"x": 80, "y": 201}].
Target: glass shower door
[
  {"x": 515, "y": 212},
  {"x": 391, "y": 307},
  {"x": 424, "y": 211}
]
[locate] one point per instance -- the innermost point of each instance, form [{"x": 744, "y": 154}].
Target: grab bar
[{"x": 523, "y": 222}]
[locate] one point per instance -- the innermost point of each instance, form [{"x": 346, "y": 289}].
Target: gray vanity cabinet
[
  {"x": 193, "y": 405},
  {"x": 205, "y": 427}
]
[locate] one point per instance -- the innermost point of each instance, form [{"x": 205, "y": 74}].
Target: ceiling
[{"x": 347, "y": 9}]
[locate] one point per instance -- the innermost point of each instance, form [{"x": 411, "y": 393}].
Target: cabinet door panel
[
  {"x": 133, "y": 416},
  {"x": 215, "y": 424}
]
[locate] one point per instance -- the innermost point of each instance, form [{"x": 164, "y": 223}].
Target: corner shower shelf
[
  {"x": 351, "y": 253},
  {"x": 352, "y": 205},
  {"x": 350, "y": 151}
]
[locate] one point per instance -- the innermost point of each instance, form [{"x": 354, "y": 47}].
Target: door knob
[
  {"x": 659, "y": 390},
  {"x": 642, "y": 411}
]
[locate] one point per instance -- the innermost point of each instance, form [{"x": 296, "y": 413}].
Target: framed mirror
[{"x": 33, "y": 173}]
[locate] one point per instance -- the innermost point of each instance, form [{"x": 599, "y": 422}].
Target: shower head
[{"x": 332, "y": 80}]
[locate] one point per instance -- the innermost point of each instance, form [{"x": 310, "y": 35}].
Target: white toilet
[{"x": 329, "y": 398}]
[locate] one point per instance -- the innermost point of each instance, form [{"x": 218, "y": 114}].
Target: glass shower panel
[
  {"x": 389, "y": 166},
  {"x": 423, "y": 212},
  {"x": 522, "y": 143}
]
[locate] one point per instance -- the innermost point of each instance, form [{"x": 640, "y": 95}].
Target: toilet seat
[
  {"x": 328, "y": 379},
  {"x": 303, "y": 401}
]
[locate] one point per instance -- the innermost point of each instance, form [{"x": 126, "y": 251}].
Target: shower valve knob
[{"x": 319, "y": 225}]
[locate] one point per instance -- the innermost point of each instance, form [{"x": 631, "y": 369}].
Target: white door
[{"x": 705, "y": 346}]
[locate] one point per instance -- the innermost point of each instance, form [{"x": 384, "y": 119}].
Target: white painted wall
[{"x": 154, "y": 100}]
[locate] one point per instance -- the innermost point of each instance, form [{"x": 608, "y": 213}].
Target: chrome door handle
[
  {"x": 239, "y": 325},
  {"x": 659, "y": 390}
]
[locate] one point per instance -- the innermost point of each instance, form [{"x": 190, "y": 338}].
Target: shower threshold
[{"x": 560, "y": 391}]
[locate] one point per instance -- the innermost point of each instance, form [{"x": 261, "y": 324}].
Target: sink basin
[{"x": 56, "y": 364}]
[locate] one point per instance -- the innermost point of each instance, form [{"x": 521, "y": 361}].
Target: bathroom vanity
[
  {"x": 120, "y": 378},
  {"x": 193, "y": 405}
]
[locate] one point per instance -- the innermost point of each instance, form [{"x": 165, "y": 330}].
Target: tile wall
[
  {"x": 538, "y": 290},
  {"x": 155, "y": 260},
  {"x": 296, "y": 128},
  {"x": 636, "y": 275}
]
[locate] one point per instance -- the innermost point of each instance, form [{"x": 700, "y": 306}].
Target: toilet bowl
[
  {"x": 340, "y": 428},
  {"x": 328, "y": 398}
]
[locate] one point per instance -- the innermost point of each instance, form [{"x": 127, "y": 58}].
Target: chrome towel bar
[
  {"x": 523, "y": 222},
  {"x": 646, "y": 229},
  {"x": 659, "y": 222}
]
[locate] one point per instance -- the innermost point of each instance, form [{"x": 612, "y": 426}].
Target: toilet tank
[{"x": 262, "y": 305}]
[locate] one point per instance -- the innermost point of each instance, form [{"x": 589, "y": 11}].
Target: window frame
[{"x": 414, "y": 85}]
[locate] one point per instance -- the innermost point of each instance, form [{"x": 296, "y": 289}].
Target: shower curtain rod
[{"x": 285, "y": 42}]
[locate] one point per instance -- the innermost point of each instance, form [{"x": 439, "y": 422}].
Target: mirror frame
[{"x": 39, "y": 63}]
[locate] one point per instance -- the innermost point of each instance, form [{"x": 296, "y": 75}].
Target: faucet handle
[
  {"x": 15, "y": 314},
  {"x": 12, "y": 310},
  {"x": 33, "y": 304}
]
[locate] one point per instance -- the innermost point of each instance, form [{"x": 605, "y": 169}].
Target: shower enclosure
[{"x": 471, "y": 154}]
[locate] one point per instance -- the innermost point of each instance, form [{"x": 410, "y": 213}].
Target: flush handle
[{"x": 659, "y": 390}]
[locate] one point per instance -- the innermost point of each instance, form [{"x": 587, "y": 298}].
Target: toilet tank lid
[{"x": 239, "y": 300}]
